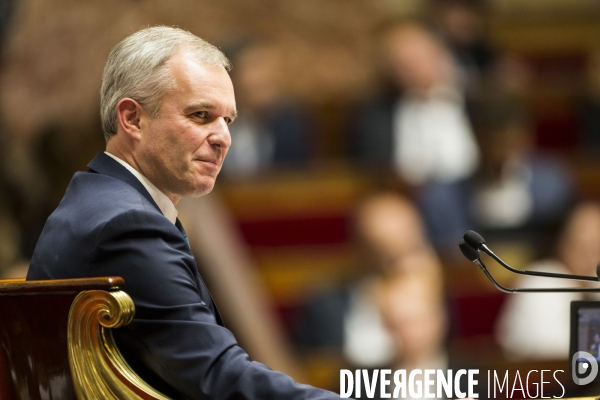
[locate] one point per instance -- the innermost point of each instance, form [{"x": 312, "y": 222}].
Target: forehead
[{"x": 198, "y": 81}]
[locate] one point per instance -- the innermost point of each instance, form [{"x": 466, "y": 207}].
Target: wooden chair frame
[{"x": 56, "y": 341}]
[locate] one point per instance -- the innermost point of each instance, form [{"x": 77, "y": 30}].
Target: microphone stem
[
  {"x": 491, "y": 278},
  {"x": 527, "y": 290},
  {"x": 536, "y": 273}
]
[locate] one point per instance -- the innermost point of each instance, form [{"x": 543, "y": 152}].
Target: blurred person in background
[
  {"x": 535, "y": 326},
  {"x": 515, "y": 193},
  {"x": 420, "y": 128},
  {"x": 273, "y": 129},
  {"x": 413, "y": 311},
  {"x": 462, "y": 26},
  {"x": 392, "y": 240}
]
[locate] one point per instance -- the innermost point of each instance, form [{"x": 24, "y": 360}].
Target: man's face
[{"x": 181, "y": 152}]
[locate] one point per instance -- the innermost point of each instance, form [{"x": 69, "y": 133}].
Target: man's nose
[{"x": 219, "y": 135}]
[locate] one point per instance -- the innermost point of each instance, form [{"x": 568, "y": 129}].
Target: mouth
[{"x": 211, "y": 161}]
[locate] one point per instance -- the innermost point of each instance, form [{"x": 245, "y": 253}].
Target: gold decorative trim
[
  {"x": 98, "y": 369},
  {"x": 583, "y": 398}
]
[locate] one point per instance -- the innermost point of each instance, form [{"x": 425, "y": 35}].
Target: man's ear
[{"x": 129, "y": 113}]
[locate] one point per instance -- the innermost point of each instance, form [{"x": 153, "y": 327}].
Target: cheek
[
  {"x": 226, "y": 142},
  {"x": 225, "y": 149}
]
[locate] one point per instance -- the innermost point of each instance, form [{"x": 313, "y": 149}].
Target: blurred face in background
[
  {"x": 419, "y": 62},
  {"x": 413, "y": 313},
  {"x": 392, "y": 230},
  {"x": 257, "y": 75},
  {"x": 579, "y": 247},
  {"x": 461, "y": 24}
]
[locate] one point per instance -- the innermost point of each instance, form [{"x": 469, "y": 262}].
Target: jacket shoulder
[{"x": 67, "y": 242}]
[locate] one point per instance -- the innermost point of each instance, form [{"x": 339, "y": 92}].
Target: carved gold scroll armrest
[{"x": 98, "y": 369}]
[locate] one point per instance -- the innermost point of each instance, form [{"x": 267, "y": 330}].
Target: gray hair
[{"x": 137, "y": 69}]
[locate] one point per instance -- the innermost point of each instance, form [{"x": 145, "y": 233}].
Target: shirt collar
[{"x": 164, "y": 203}]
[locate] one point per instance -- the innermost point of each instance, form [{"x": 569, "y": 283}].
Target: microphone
[
  {"x": 476, "y": 241},
  {"x": 470, "y": 252},
  {"x": 472, "y": 243},
  {"x": 473, "y": 239}
]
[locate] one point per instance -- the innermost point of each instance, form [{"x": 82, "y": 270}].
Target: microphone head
[
  {"x": 471, "y": 253},
  {"x": 473, "y": 239}
]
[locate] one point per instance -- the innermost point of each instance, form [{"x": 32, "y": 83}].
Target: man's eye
[
  {"x": 228, "y": 120},
  {"x": 201, "y": 114}
]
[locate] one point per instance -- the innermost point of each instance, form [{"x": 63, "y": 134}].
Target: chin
[{"x": 201, "y": 189}]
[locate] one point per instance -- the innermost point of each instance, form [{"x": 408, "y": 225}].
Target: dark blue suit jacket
[{"x": 107, "y": 224}]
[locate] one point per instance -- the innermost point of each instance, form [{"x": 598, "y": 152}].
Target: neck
[{"x": 113, "y": 147}]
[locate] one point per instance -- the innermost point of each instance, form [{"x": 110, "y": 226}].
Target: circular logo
[{"x": 584, "y": 368}]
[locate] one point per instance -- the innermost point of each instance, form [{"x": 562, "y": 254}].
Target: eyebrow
[{"x": 209, "y": 106}]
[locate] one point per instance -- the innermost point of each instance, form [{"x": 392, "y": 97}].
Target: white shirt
[
  {"x": 433, "y": 138},
  {"x": 164, "y": 203},
  {"x": 367, "y": 342},
  {"x": 507, "y": 203}
]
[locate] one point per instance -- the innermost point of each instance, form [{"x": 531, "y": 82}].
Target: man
[
  {"x": 166, "y": 104},
  {"x": 421, "y": 133}
]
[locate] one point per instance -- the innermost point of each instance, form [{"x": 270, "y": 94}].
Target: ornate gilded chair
[{"x": 56, "y": 342}]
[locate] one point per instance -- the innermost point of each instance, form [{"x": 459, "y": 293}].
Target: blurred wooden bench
[{"x": 56, "y": 343}]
